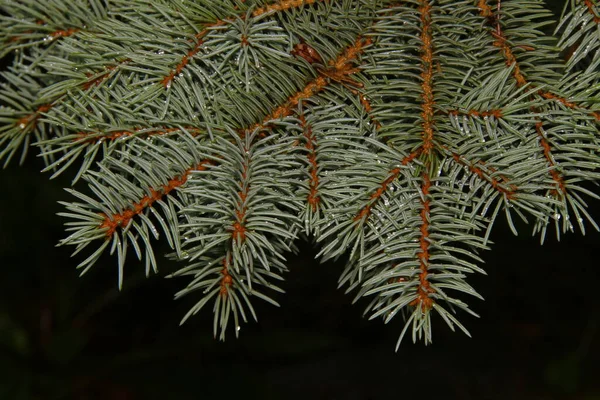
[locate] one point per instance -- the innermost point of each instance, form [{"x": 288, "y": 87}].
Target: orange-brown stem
[
  {"x": 287, "y": 109},
  {"x": 198, "y": 40},
  {"x": 556, "y": 176},
  {"x": 91, "y": 137},
  {"x": 486, "y": 11},
  {"x": 427, "y": 115},
  {"x": 282, "y": 5},
  {"x": 307, "y": 52},
  {"x": 340, "y": 69},
  {"x": 423, "y": 292},
  {"x": 30, "y": 121},
  {"x": 427, "y": 77},
  {"x": 568, "y": 104},
  {"x": 502, "y": 43},
  {"x": 53, "y": 35},
  {"x": 97, "y": 80},
  {"x": 311, "y": 145},
  {"x": 510, "y": 60},
  {"x": 64, "y": 32},
  {"x": 502, "y": 185},
  {"x": 239, "y": 230},
  {"x": 393, "y": 174},
  {"x": 226, "y": 280},
  {"x": 590, "y": 6},
  {"x": 112, "y": 222}
]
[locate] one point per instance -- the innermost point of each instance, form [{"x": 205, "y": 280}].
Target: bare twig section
[{"x": 121, "y": 220}]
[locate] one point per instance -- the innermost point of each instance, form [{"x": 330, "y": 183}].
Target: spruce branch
[
  {"x": 395, "y": 134},
  {"x": 253, "y": 190},
  {"x": 131, "y": 186}
]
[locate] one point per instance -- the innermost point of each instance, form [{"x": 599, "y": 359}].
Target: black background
[{"x": 65, "y": 337}]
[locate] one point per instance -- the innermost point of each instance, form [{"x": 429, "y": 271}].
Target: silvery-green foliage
[{"x": 393, "y": 133}]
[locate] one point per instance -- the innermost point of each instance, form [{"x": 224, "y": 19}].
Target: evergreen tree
[{"x": 391, "y": 133}]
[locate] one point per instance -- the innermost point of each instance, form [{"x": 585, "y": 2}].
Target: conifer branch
[
  {"x": 339, "y": 70},
  {"x": 17, "y": 135},
  {"x": 119, "y": 217},
  {"x": 561, "y": 188},
  {"x": 394, "y": 133},
  {"x": 122, "y": 219},
  {"x": 198, "y": 40},
  {"x": 30, "y": 23},
  {"x": 251, "y": 226},
  {"x": 501, "y": 185},
  {"x": 502, "y": 43}
]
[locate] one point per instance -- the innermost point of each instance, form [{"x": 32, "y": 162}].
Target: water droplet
[{"x": 557, "y": 216}]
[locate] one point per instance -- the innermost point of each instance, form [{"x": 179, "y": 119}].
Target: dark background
[{"x": 65, "y": 337}]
